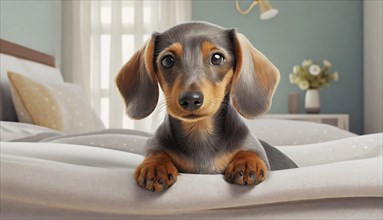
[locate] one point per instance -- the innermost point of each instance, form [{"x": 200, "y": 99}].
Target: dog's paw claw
[
  {"x": 156, "y": 174},
  {"x": 246, "y": 168}
]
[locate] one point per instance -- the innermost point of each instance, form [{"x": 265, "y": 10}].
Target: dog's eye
[
  {"x": 167, "y": 61},
  {"x": 217, "y": 59}
]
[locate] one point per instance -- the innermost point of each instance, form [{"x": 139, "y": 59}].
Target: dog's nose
[{"x": 191, "y": 100}]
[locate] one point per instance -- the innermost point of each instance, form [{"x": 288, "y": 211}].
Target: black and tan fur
[{"x": 211, "y": 139}]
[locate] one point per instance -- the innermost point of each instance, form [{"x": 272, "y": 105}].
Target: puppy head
[{"x": 196, "y": 65}]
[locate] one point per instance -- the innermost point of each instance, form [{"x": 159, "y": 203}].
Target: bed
[{"x": 55, "y": 174}]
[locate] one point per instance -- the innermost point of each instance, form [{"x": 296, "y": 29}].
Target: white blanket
[{"x": 47, "y": 180}]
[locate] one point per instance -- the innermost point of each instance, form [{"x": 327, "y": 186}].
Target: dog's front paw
[
  {"x": 156, "y": 173},
  {"x": 246, "y": 168}
]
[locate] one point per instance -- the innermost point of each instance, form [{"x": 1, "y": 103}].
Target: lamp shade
[{"x": 266, "y": 10}]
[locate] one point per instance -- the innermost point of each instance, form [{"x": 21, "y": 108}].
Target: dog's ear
[
  {"x": 255, "y": 79},
  {"x": 137, "y": 82}
]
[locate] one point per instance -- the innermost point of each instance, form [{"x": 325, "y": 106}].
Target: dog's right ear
[
  {"x": 255, "y": 79},
  {"x": 137, "y": 82}
]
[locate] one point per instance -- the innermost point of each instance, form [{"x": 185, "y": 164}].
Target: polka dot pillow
[{"x": 61, "y": 107}]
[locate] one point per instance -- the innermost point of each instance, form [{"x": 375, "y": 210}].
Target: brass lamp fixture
[{"x": 266, "y": 10}]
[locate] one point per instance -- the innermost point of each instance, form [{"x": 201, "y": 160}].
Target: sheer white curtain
[{"x": 101, "y": 37}]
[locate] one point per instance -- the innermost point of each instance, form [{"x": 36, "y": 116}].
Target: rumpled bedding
[{"x": 91, "y": 176}]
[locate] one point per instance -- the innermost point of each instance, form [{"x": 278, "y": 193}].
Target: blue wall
[
  {"x": 34, "y": 24},
  {"x": 304, "y": 30}
]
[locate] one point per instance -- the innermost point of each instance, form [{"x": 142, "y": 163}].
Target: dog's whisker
[{"x": 161, "y": 107}]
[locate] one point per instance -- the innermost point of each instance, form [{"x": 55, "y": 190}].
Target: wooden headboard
[{"x": 22, "y": 52}]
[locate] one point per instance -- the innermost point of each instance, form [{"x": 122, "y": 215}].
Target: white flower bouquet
[{"x": 311, "y": 76}]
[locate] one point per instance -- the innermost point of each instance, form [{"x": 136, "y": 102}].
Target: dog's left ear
[
  {"x": 255, "y": 79},
  {"x": 137, "y": 82}
]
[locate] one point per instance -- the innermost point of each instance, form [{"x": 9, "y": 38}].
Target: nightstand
[{"x": 337, "y": 120}]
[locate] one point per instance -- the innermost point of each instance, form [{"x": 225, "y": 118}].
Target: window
[
  {"x": 119, "y": 28},
  {"x": 105, "y": 35}
]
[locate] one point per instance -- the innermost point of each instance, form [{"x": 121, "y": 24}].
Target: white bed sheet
[
  {"x": 47, "y": 180},
  {"x": 288, "y": 132},
  {"x": 10, "y": 131}
]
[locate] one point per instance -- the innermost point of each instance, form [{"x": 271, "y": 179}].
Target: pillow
[
  {"x": 62, "y": 107},
  {"x": 7, "y": 62},
  {"x": 40, "y": 72}
]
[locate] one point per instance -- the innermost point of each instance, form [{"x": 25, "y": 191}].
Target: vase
[
  {"x": 312, "y": 101},
  {"x": 293, "y": 102}
]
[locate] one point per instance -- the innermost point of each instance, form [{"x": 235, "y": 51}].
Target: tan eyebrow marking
[
  {"x": 175, "y": 48},
  {"x": 207, "y": 47}
]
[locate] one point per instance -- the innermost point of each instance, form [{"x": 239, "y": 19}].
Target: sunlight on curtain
[{"x": 117, "y": 30}]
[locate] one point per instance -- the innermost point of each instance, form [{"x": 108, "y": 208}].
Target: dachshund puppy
[{"x": 208, "y": 75}]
